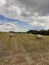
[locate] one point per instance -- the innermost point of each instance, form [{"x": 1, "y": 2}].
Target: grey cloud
[
  {"x": 5, "y": 11},
  {"x": 32, "y": 6},
  {"x": 26, "y": 14},
  {"x": 41, "y": 6}
]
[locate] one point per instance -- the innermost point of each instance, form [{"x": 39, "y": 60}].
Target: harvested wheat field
[{"x": 23, "y": 49}]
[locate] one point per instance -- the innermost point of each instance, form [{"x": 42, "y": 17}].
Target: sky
[{"x": 23, "y": 15}]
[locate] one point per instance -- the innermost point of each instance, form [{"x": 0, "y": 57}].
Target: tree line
[{"x": 42, "y": 32}]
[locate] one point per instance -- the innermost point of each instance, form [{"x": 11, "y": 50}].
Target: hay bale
[
  {"x": 15, "y": 35},
  {"x": 38, "y": 36},
  {"x": 11, "y": 35}
]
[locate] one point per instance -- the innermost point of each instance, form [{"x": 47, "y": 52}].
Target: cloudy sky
[{"x": 23, "y": 15}]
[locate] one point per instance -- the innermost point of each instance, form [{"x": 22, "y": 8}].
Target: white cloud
[
  {"x": 42, "y": 21},
  {"x": 34, "y": 23},
  {"x": 6, "y": 27},
  {"x": 2, "y": 2},
  {"x": 15, "y": 9}
]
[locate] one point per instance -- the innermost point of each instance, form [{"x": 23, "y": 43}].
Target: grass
[{"x": 23, "y": 49}]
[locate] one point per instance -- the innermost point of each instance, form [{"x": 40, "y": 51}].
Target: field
[{"x": 23, "y": 49}]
